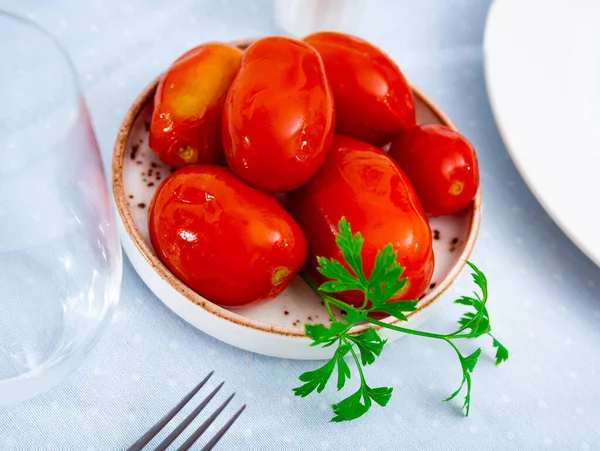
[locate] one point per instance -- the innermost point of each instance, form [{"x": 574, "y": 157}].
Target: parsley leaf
[
  {"x": 369, "y": 344},
  {"x": 354, "y": 316},
  {"x": 343, "y": 368},
  {"x": 351, "y": 408},
  {"x": 385, "y": 279},
  {"x": 357, "y": 404},
  {"x": 397, "y": 308},
  {"x": 501, "y": 352},
  {"x": 384, "y": 283},
  {"x": 315, "y": 380},
  {"x": 321, "y": 334},
  {"x": 381, "y": 395},
  {"x": 342, "y": 279},
  {"x": 351, "y": 246}
]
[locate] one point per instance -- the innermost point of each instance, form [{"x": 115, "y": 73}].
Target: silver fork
[{"x": 148, "y": 436}]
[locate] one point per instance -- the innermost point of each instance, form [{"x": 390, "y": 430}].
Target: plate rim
[
  {"x": 508, "y": 142},
  {"x": 147, "y": 96}
]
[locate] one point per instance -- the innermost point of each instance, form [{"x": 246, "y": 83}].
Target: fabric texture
[{"x": 544, "y": 300}]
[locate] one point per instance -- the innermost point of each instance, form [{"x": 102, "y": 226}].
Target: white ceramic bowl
[{"x": 274, "y": 328}]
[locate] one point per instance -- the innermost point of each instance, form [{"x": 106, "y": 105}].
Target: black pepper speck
[{"x": 134, "y": 150}]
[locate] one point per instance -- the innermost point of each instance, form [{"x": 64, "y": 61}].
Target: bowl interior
[{"x": 142, "y": 172}]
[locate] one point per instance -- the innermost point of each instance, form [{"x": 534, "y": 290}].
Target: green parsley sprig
[{"x": 385, "y": 280}]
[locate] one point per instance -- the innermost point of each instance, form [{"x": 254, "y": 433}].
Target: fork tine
[
  {"x": 145, "y": 439},
  {"x": 210, "y": 445},
  {"x": 196, "y": 435},
  {"x": 185, "y": 423}
]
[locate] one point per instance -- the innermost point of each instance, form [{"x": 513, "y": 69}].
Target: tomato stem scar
[
  {"x": 456, "y": 188},
  {"x": 188, "y": 154},
  {"x": 279, "y": 275}
]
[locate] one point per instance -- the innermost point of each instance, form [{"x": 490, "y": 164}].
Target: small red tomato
[
  {"x": 227, "y": 241},
  {"x": 186, "y": 123},
  {"x": 278, "y": 118},
  {"x": 373, "y": 100},
  {"x": 363, "y": 184},
  {"x": 442, "y": 166}
]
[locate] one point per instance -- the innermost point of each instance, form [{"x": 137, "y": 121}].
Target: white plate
[
  {"x": 542, "y": 68},
  {"x": 274, "y": 328}
]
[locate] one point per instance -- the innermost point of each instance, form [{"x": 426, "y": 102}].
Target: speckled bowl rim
[{"x": 147, "y": 96}]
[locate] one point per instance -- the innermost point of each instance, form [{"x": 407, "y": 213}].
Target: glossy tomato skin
[
  {"x": 373, "y": 100},
  {"x": 185, "y": 128},
  {"x": 229, "y": 242},
  {"x": 278, "y": 118},
  {"x": 442, "y": 166},
  {"x": 361, "y": 183}
]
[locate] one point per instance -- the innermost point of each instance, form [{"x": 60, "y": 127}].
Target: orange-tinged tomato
[
  {"x": 186, "y": 122},
  {"x": 278, "y": 118},
  {"x": 229, "y": 242},
  {"x": 363, "y": 184},
  {"x": 373, "y": 100}
]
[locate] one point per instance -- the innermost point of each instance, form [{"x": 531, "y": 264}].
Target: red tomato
[
  {"x": 186, "y": 123},
  {"x": 278, "y": 119},
  {"x": 442, "y": 166},
  {"x": 373, "y": 100},
  {"x": 227, "y": 241},
  {"x": 360, "y": 182}
]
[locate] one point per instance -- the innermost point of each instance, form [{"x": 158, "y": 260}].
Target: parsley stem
[
  {"x": 329, "y": 311},
  {"x": 366, "y": 301},
  {"x": 331, "y": 300},
  {"x": 451, "y": 343},
  {"x": 355, "y": 357},
  {"x": 464, "y": 327},
  {"x": 415, "y": 332},
  {"x": 342, "y": 305},
  {"x": 328, "y": 301},
  {"x": 406, "y": 330},
  {"x": 312, "y": 285},
  {"x": 385, "y": 280}
]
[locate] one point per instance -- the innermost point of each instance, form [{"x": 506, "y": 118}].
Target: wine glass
[{"x": 60, "y": 258}]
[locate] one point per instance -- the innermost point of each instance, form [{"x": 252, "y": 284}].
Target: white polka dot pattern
[{"x": 544, "y": 300}]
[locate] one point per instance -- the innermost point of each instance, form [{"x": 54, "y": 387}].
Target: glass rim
[
  {"x": 63, "y": 58},
  {"x": 53, "y": 39}
]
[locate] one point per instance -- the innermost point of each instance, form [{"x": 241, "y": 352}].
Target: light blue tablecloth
[{"x": 545, "y": 301}]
